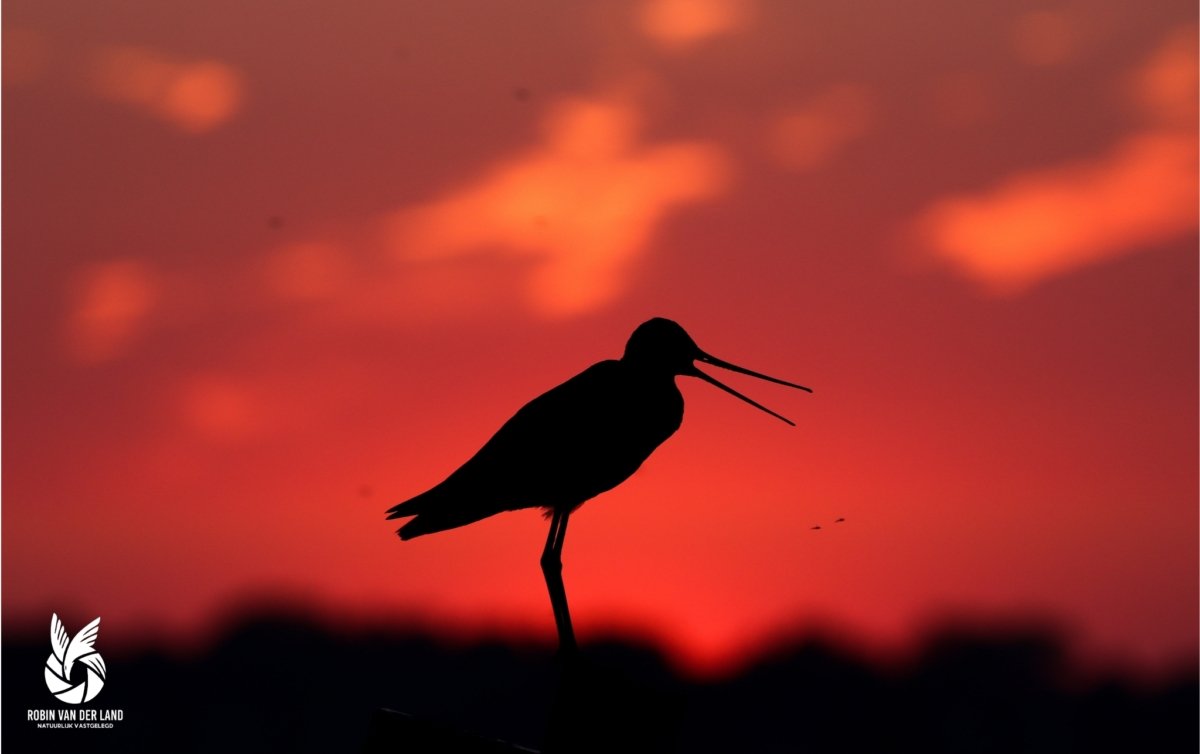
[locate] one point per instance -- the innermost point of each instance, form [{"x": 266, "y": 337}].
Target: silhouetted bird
[{"x": 568, "y": 445}]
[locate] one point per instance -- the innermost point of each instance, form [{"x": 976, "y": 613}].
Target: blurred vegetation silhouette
[{"x": 285, "y": 682}]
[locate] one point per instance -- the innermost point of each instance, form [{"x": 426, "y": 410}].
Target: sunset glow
[{"x": 266, "y": 276}]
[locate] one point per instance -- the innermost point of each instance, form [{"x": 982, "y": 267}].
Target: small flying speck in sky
[
  {"x": 838, "y": 520},
  {"x": 816, "y": 527}
]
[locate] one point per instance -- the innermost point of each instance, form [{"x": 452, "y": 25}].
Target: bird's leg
[
  {"x": 552, "y": 569},
  {"x": 562, "y": 535}
]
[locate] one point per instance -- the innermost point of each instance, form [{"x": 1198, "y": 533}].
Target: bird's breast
[
  {"x": 633, "y": 421},
  {"x": 653, "y": 411},
  {"x": 626, "y": 417}
]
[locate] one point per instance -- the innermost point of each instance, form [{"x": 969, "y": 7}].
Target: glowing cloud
[
  {"x": 580, "y": 207},
  {"x": 679, "y": 24},
  {"x": 1042, "y": 223},
  {"x": 109, "y": 306},
  {"x": 811, "y": 135},
  {"x": 194, "y": 96}
]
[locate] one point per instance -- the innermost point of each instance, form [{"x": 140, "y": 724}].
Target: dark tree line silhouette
[{"x": 284, "y": 682}]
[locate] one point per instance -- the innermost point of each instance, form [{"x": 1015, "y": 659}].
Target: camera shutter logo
[{"x": 62, "y": 661}]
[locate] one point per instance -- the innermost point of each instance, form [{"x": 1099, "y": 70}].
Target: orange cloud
[
  {"x": 580, "y": 207},
  {"x": 1042, "y": 223},
  {"x": 195, "y": 96},
  {"x": 679, "y": 24},
  {"x": 109, "y": 306},
  {"x": 812, "y": 134}
]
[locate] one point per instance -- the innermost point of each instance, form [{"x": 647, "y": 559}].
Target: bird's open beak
[{"x": 695, "y": 372}]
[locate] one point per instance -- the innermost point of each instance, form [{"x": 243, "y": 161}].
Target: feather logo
[{"x": 63, "y": 658}]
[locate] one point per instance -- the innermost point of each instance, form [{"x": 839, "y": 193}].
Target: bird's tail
[
  {"x": 407, "y": 508},
  {"x": 411, "y": 507},
  {"x": 430, "y": 522},
  {"x": 433, "y": 513}
]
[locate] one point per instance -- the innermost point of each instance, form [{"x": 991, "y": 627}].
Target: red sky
[{"x": 270, "y": 268}]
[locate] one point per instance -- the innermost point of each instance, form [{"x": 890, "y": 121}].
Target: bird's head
[{"x": 662, "y": 345}]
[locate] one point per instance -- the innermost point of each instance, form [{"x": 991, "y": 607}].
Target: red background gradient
[{"x": 272, "y": 267}]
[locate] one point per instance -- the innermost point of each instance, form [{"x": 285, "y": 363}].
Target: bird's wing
[
  {"x": 552, "y": 446},
  {"x": 81, "y": 645},
  {"x": 58, "y": 638},
  {"x": 543, "y": 449}
]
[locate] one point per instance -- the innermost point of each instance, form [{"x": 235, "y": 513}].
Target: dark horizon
[
  {"x": 280, "y": 681},
  {"x": 1082, "y": 660}
]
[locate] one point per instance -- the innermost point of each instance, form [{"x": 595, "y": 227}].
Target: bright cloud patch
[
  {"x": 580, "y": 207},
  {"x": 679, "y": 24},
  {"x": 1042, "y": 223},
  {"x": 194, "y": 96}
]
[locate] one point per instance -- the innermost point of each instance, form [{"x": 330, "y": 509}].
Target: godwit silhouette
[{"x": 575, "y": 441}]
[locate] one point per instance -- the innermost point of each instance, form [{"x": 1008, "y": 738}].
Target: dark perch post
[
  {"x": 603, "y": 706},
  {"x": 394, "y": 732}
]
